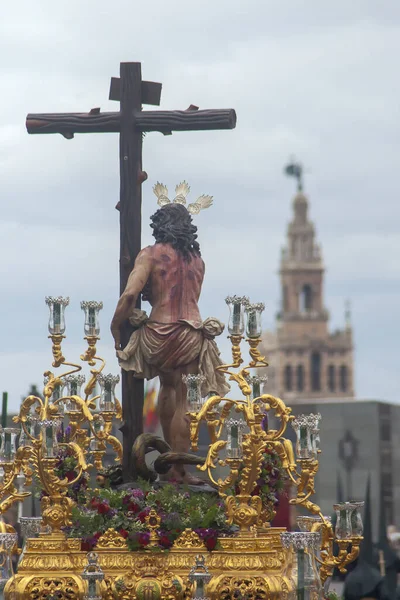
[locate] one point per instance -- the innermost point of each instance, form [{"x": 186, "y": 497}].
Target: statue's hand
[{"x": 117, "y": 338}]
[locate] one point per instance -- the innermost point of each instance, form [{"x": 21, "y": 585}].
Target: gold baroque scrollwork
[
  {"x": 189, "y": 539},
  {"x": 111, "y": 539},
  {"x": 62, "y": 588}
]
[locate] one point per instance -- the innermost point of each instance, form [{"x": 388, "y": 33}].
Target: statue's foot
[
  {"x": 179, "y": 475},
  {"x": 192, "y": 480}
]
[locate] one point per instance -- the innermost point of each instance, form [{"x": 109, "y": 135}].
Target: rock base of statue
[{"x": 204, "y": 488}]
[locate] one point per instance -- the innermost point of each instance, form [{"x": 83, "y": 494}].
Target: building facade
[
  {"x": 359, "y": 439},
  {"x": 306, "y": 360}
]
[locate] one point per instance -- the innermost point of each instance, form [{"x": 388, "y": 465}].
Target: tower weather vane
[
  {"x": 131, "y": 122},
  {"x": 295, "y": 169}
]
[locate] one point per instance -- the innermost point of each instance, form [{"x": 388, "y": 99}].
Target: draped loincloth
[{"x": 157, "y": 348}]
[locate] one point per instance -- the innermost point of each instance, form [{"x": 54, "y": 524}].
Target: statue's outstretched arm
[{"x": 136, "y": 282}]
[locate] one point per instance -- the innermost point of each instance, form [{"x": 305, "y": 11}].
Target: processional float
[{"x": 60, "y": 438}]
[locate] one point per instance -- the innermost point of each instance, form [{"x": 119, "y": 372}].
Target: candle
[
  {"x": 236, "y": 319},
  {"x": 192, "y": 395},
  {"x": 57, "y": 317},
  {"x": 49, "y": 441},
  {"x": 108, "y": 403},
  {"x": 7, "y": 445},
  {"x": 256, "y": 388},
  {"x": 92, "y": 320},
  {"x": 234, "y": 437},
  {"x": 252, "y": 330},
  {"x": 300, "y": 575}
]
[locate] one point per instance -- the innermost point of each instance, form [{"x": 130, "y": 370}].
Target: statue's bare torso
[{"x": 174, "y": 286}]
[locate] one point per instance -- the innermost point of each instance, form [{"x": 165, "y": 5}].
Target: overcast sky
[{"x": 314, "y": 78}]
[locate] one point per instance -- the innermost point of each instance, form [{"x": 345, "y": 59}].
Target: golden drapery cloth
[{"x": 162, "y": 347}]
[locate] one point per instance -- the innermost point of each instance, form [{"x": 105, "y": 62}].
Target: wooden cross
[{"x": 131, "y": 122}]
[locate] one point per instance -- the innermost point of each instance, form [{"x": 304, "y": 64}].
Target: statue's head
[{"x": 172, "y": 224}]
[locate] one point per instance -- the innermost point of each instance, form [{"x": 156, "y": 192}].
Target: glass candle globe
[
  {"x": 73, "y": 384},
  {"x": 8, "y": 444},
  {"x": 107, "y": 394},
  {"x": 49, "y": 429},
  {"x": 307, "y": 434},
  {"x": 193, "y": 391},
  {"x": 236, "y": 313},
  {"x": 256, "y": 381},
  {"x": 57, "y": 308},
  {"x": 30, "y": 425},
  {"x": 305, "y": 522},
  {"x": 357, "y": 527},
  {"x": 234, "y": 428},
  {"x": 7, "y": 543},
  {"x": 253, "y": 323},
  {"x": 301, "y": 567},
  {"x": 92, "y": 324},
  {"x": 98, "y": 427},
  {"x": 348, "y": 520}
]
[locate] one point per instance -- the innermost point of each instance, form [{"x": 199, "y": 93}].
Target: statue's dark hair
[{"x": 172, "y": 224}]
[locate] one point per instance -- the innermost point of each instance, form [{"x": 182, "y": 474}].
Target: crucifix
[{"x": 131, "y": 122}]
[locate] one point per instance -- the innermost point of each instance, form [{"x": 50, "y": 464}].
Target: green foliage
[
  {"x": 126, "y": 511},
  {"x": 333, "y": 596}
]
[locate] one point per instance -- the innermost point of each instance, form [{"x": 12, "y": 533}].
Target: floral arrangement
[
  {"x": 179, "y": 509},
  {"x": 126, "y": 512},
  {"x": 271, "y": 482}
]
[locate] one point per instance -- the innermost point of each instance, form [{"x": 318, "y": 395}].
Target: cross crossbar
[{"x": 145, "y": 121}]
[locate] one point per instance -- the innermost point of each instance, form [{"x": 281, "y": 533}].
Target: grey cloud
[{"x": 314, "y": 79}]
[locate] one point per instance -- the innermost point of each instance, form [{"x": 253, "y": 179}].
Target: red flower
[
  {"x": 97, "y": 535},
  {"x": 133, "y": 507},
  {"x": 164, "y": 541},
  {"x": 210, "y": 542},
  {"x": 70, "y": 475},
  {"x": 143, "y": 514},
  {"x": 143, "y": 539},
  {"x": 103, "y": 508},
  {"x": 124, "y": 533},
  {"x": 94, "y": 503},
  {"x": 86, "y": 546}
]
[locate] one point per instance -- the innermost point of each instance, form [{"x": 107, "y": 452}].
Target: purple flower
[
  {"x": 264, "y": 422},
  {"x": 67, "y": 433},
  {"x": 137, "y": 493}
]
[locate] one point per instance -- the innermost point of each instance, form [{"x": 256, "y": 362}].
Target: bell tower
[
  {"x": 306, "y": 361},
  {"x": 302, "y": 274}
]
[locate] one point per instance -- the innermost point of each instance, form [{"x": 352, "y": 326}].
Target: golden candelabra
[
  {"x": 244, "y": 451},
  {"x": 256, "y": 561}
]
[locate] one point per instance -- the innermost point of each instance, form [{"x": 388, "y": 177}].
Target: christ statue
[{"x": 173, "y": 340}]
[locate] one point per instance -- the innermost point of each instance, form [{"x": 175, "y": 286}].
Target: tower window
[
  {"x": 344, "y": 378},
  {"x": 331, "y": 378},
  {"x": 306, "y": 298},
  {"x": 300, "y": 378},
  {"x": 288, "y": 378},
  {"x": 315, "y": 371}
]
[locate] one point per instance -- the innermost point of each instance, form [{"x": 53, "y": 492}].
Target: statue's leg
[
  {"x": 167, "y": 403},
  {"x": 172, "y": 408}
]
